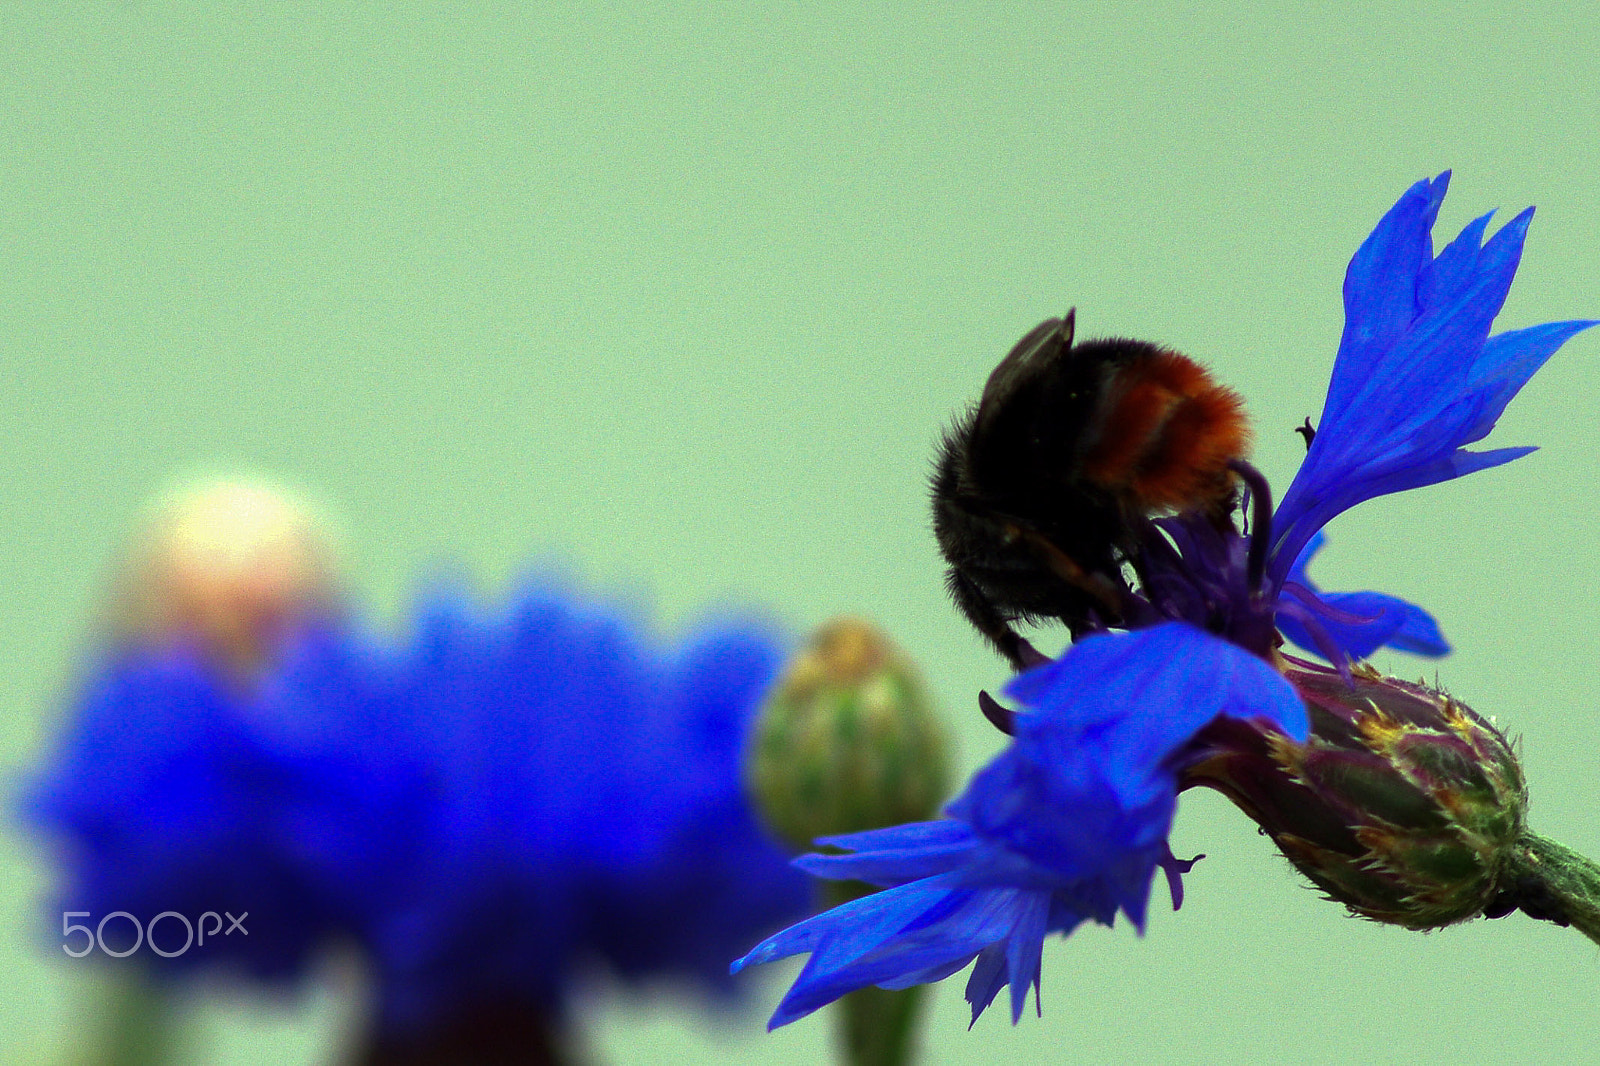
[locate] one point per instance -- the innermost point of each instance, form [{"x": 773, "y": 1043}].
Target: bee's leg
[
  {"x": 981, "y": 612},
  {"x": 1062, "y": 565}
]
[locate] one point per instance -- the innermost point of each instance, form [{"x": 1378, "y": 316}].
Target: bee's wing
[{"x": 1033, "y": 354}]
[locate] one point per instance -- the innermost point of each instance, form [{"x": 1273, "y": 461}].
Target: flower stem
[
  {"x": 876, "y": 1026},
  {"x": 1571, "y": 882},
  {"x": 138, "y": 1023}
]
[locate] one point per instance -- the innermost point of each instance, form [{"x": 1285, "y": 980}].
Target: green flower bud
[
  {"x": 1402, "y": 804},
  {"x": 847, "y": 740}
]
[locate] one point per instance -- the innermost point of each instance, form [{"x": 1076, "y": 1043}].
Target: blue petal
[
  {"x": 1379, "y": 287},
  {"x": 989, "y": 976},
  {"x": 1069, "y": 824},
  {"x": 914, "y": 834},
  {"x": 894, "y": 938},
  {"x": 1094, "y": 683},
  {"x": 894, "y": 856},
  {"x": 1024, "y": 951},
  {"x": 1418, "y": 632},
  {"x": 1417, "y": 377},
  {"x": 1356, "y": 624},
  {"x": 1509, "y": 360},
  {"x": 1387, "y": 622}
]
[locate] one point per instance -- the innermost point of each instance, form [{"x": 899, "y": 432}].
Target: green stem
[
  {"x": 1570, "y": 880},
  {"x": 137, "y": 1027},
  {"x": 877, "y": 1026}
]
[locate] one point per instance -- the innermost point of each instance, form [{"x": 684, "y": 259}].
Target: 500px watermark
[{"x": 146, "y": 933}]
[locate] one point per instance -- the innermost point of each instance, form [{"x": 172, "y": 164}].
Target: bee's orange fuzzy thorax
[{"x": 1167, "y": 435}]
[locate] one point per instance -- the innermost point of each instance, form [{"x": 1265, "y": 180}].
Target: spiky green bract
[
  {"x": 1402, "y": 804},
  {"x": 1068, "y": 825}
]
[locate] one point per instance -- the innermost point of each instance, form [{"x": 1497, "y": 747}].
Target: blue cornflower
[
  {"x": 1417, "y": 379},
  {"x": 1071, "y": 822},
  {"x": 486, "y": 808}
]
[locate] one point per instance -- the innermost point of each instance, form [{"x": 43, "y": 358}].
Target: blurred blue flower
[
  {"x": 702, "y": 872},
  {"x": 162, "y": 795},
  {"x": 507, "y": 797},
  {"x": 1071, "y": 822},
  {"x": 549, "y": 791}
]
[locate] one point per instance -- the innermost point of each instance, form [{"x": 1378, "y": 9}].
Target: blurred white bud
[{"x": 231, "y": 567}]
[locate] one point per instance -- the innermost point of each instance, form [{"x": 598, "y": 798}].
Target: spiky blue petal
[
  {"x": 1417, "y": 377},
  {"x": 1068, "y": 825},
  {"x": 1353, "y": 624}
]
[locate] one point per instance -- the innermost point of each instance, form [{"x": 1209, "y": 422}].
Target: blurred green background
[{"x": 683, "y": 297}]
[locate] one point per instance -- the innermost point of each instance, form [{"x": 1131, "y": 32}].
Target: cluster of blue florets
[{"x": 486, "y": 809}]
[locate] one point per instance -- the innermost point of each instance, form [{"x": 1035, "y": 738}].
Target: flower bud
[
  {"x": 1402, "y": 804},
  {"x": 847, "y": 740},
  {"x": 229, "y": 567}
]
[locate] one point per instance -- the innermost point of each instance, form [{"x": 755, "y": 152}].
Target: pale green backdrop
[{"x": 682, "y": 294}]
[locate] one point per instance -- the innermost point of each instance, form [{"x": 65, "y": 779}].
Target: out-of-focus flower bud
[
  {"x": 229, "y": 567},
  {"x": 847, "y": 740},
  {"x": 1402, "y": 804}
]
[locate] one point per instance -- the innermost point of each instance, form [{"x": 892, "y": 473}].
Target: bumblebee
[{"x": 1042, "y": 491}]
